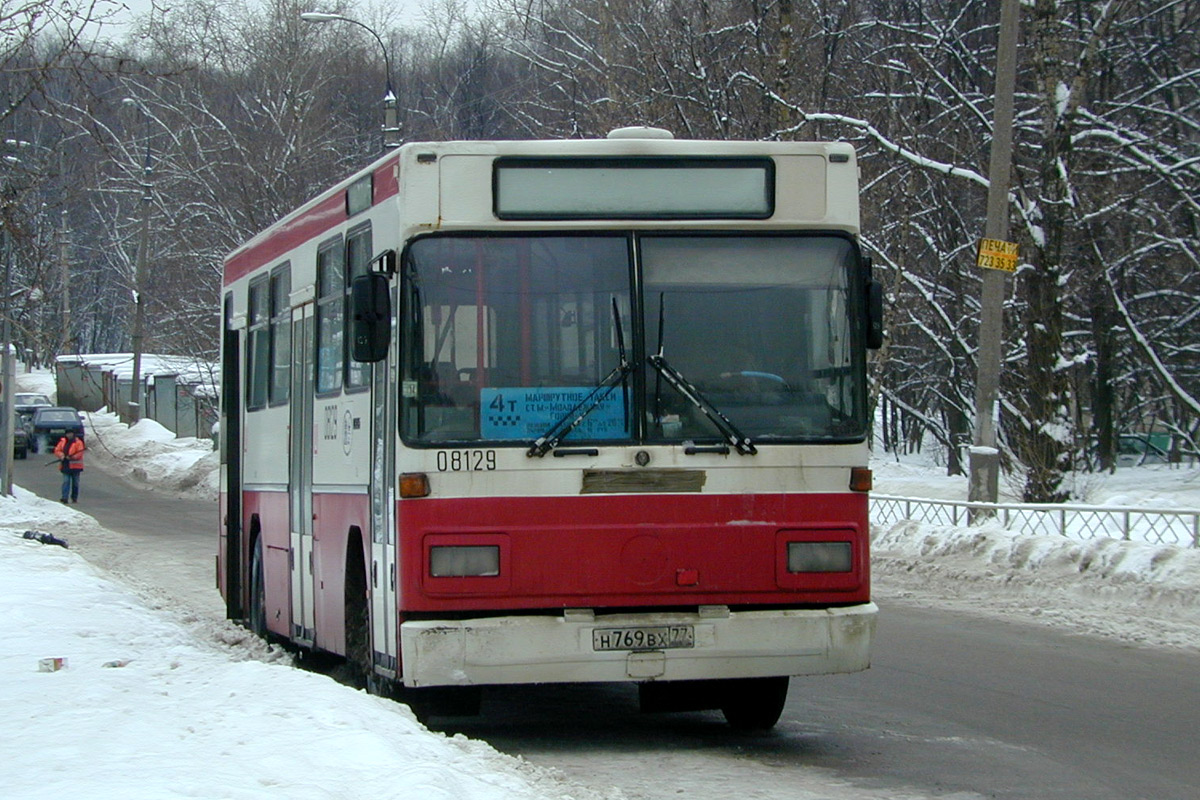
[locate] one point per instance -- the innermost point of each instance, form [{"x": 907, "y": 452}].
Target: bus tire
[
  {"x": 442, "y": 701},
  {"x": 754, "y": 704},
  {"x": 258, "y": 592},
  {"x": 358, "y": 616}
]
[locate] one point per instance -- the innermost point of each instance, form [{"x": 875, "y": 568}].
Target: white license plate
[{"x": 650, "y": 637}]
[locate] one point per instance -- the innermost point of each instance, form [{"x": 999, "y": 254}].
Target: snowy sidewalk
[{"x": 144, "y": 709}]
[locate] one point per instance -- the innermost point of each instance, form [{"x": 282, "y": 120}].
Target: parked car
[
  {"x": 1136, "y": 449},
  {"x": 25, "y": 403},
  {"x": 20, "y": 435},
  {"x": 51, "y": 424},
  {"x": 20, "y": 440}
]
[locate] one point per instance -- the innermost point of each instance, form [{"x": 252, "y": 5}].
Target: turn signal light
[
  {"x": 860, "y": 479},
  {"x": 414, "y": 484}
]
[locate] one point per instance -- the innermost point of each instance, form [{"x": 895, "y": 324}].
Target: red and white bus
[{"x": 559, "y": 411}]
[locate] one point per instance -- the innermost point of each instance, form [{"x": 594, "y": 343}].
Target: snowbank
[
  {"x": 148, "y": 454},
  {"x": 1134, "y": 592}
]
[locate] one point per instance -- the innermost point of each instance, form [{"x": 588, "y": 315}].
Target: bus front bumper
[{"x": 572, "y": 647}]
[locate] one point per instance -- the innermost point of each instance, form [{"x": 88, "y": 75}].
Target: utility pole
[
  {"x": 995, "y": 259},
  {"x": 137, "y": 335},
  {"x": 64, "y": 268},
  {"x": 8, "y": 367},
  {"x": 8, "y": 373},
  {"x": 139, "y": 298}
]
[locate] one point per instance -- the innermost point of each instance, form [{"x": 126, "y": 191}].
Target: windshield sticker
[{"x": 528, "y": 412}]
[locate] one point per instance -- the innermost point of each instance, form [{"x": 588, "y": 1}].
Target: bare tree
[{"x": 248, "y": 111}]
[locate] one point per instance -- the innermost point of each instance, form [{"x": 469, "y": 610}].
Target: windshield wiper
[
  {"x": 740, "y": 441},
  {"x": 574, "y": 418}
]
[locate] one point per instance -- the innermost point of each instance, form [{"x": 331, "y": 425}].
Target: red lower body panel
[
  {"x": 630, "y": 551},
  {"x": 265, "y": 515}
]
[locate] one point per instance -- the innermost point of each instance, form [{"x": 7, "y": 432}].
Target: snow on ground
[
  {"x": 149, "y": 454},
  {"x": 156, "y": 706},
  {"x": 143, "y": 708},
  {"x": 155, "y": 703},
  {"x": 1139, "y": 593}
]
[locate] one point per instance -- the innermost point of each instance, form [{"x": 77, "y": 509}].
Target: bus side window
[
  {"x": 281, "y": 321},
  {"x": 357, "y": 263},
  {"x": 330, "y": 300},
  {"x": 258, "y": 346}
]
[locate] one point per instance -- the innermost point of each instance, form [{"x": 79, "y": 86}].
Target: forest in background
[{"x": 205, "y": 121}]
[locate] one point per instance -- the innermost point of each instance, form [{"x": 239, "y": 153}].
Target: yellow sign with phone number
[{"x": 997, "y": 254}]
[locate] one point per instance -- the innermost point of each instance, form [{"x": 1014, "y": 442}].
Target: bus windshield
[{"x": 505, "y": 338}]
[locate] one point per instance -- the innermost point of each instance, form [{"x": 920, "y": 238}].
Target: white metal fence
[{"x": 1154, "y": 526}]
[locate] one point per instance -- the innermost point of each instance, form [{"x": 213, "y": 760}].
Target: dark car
[
  {"x": 51, "y": 424},
  {"x": 20, "y": 435},
  {"x": 20, "y": 441}
]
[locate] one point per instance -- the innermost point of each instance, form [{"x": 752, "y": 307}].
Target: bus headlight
[
  {"x": 819, "y": 557},
  {"x": 464, "y": 561}
]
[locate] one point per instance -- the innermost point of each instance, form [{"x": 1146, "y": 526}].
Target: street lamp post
[{"x": 391, "y": 121}]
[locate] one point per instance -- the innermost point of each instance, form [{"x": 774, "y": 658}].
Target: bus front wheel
[{"x": 754, "y": 704}]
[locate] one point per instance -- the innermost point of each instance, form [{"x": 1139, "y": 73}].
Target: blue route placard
[{"x": 527, "y": 412}]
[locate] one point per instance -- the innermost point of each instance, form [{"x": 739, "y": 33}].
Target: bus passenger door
[
  {"x": 230, "y": 442},
  {"x": 383, "y": 525},
  {"x": 300, "y": 450}
]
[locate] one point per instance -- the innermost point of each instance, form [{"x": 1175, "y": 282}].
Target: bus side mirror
[
  {"x": 371, "y": 318},
  {"x": 874, "y": 314}
]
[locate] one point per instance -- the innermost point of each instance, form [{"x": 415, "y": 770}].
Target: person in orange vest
[{"x": 69, "y": 451}]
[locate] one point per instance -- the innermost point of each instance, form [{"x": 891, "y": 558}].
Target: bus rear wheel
[
  {"x": 754, "y": 704},
  {"x": 358, "y": 618},
  {"x": 258, "y": 592}
]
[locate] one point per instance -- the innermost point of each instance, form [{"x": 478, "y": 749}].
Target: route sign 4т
[{"x": 997, "y": 254}]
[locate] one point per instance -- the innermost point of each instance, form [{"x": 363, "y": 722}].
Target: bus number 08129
[{"x": 466, "y": 460}]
